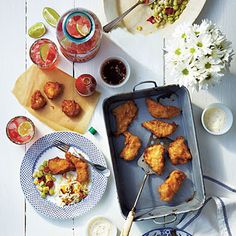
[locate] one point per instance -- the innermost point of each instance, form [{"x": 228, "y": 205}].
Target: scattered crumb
[{"x": 139, "y": 28}]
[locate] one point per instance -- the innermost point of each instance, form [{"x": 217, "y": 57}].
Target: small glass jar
[{"x": 79, "y": 33}]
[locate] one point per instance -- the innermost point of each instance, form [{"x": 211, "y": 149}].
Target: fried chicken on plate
[
  {"x": 124, "y": 114},
  {"x": 179, "y": 152},
  {"x": 160, "y": 128},
  {"x": 154, "y": 157},
  {"x": 38, "y": 101},
  {"x": 132, "y": 146},
  {"x": 158, "y": 110},
  {"x": 171, "y": 185},
  {"x": 59, "y": 166},
  {"x": 53, "y": 89}
]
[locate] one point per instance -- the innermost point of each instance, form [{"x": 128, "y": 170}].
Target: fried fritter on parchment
[
  {"x": 81, "y": 168},
  {"x": 53, "y": 89},
  {"x": 160, "y": 128},
  {"x": 124, "y": 114},
  {"x": 171, "y": 185},
  {"x": 154, "y": 157},
  {"x": 132, "y": 146},
  {"x": 38, "y": 101},
  {"x": 158, "y": 110},
  {"x": 179, "y": 152},
  {"x": 59, "y": 166}
]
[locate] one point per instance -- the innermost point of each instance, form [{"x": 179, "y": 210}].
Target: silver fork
[{"x": 65, "y": 148}]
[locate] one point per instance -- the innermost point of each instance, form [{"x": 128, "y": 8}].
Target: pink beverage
[
  {"x": 20, "y": 130},
  {"x": 44, "y": 53},
  {"x": 79, "y": 33}
]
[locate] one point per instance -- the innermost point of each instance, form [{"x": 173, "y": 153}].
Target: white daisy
[
  {"x": 210, "y": 80},
  {"x": 209, "y": 65}
]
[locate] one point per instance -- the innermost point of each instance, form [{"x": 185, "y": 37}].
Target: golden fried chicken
[
  {"x": 60, "y": 166},
  {"x": 53, "y": 89},
  {"x": 71, "y": 108},
  {"x": 154, "y": 157},
  {"x": 171, "y": 185},
  {"x": 158, "y": 110},
  {"x": 179, "y": 152},
  {"x": 124, "y": 113},
  {"x": 38, "y": 101},
  {"x": 132, "y": 146},
  {"x": 160, "y": 128},
  {"x": 81, "y": 168}
]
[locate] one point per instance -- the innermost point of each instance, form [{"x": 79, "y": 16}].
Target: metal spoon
[{"x": 108, "y": 27}]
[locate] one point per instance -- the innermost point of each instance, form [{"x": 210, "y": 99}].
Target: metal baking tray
[{"x": 128, "y": 176}]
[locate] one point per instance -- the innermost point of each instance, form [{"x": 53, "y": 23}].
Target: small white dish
[
  {"x": 99, "y": 222},
  {"x": 127, "y": 72},
  {"x": 217, "y": 119}
]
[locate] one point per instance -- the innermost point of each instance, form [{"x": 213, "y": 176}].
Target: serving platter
[
  {"x": 43, "y": 149},
  {"x": 140, "y": 15}
]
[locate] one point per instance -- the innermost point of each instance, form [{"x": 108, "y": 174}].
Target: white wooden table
[{"x": 17, "y": 217}]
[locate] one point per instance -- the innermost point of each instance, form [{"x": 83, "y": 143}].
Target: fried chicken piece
[
  {"x": 171, "y": 185},
  {"x": 38, "y": 101},
  {"x": 154, "y": 157},
  {"x": 132, "y": 146},
  {"x": 158, "y": 110},
  {"x": 53, "y": 89},
  {"x": 81, "y": 168},
  {"x": 160, "y": 128},
  {"x": 124, "y": 114},
  {"x": 179, "y": 152},
  {"x": 60, "y": 166},
  {"x": 71, "y": 108}
]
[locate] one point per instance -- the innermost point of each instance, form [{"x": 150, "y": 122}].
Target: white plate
[{"x": 138, "y": 16}]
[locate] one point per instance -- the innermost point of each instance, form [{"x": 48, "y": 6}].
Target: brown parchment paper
[{"x": 35, "y": 79}]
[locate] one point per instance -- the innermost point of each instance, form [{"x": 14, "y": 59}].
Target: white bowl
[
  {"x": 99, "y": 218},
  {"x": 228, "y": 121},
  {"x": 127, "y": 72}
]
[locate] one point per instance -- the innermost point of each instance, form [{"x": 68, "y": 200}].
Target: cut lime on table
[
  {"x": 37, "y": 30},
  {"x": 25, "y": 129},
  {"x": 51, "y": 16},
  {"x": 44, "y": 50}
]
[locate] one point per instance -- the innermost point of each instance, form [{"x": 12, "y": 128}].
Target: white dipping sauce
[
  {"x": 100, "y": 227},
  {"x": 215, "y": 119}
]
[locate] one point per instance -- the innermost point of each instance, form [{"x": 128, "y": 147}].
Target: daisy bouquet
[{"x": 198, "y": 55}]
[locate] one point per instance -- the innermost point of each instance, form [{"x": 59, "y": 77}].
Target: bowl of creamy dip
[
  {"x": 101, "y": 226},
  {"x": 217, "y": 119}
]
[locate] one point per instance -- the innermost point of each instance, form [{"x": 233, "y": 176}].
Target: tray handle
[
  {"x": 172, "y": 219},
  {"x": 145, "y": 82}
]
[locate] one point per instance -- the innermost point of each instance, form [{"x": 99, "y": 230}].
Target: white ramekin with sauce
[{"x": 217, "y": 119}]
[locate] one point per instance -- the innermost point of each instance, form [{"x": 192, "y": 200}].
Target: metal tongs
[{"x": 148, "y": 171}]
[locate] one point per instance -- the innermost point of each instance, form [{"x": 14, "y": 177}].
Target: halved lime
[
  {"x": 51, "y": 16},
  {"x": 37, "y": 30},
  {"x": 44, "y": 50},
  {"x": 25, "y": 129},
  {"x": 83, "y": 30}
]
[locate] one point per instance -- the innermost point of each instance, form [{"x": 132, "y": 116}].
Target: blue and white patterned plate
[
  {"x": 40, "y": 151},
  {"x": 166, "y": 232}
]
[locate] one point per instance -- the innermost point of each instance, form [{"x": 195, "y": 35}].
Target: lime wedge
[
  {"x": 51, "y": 16},
  {"x": 83, "y": 30},
  {"x": 25, "y": 129},
  {"x": 44, "y": 50},
  {"x": 37, "y": 30}
]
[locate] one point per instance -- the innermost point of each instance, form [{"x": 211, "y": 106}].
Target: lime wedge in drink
[
  {"x": 37, "y": 30},
  {"x": 25, "y": 129},
  {"x": 51, "y": 16},
  {"x": 82, "y": 30},
  {"x": 44, "y": 50}
]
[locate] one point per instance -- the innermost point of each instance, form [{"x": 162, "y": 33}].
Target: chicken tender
[
  {"x": 171, "y": 186},
  {"x": 154, "y": 157},
  {"x": 158, "y": 110},
  {"x": 53, "y": 89},
  {"x": 124, "y": 114},
  {"x": 71, "y": 108},
  {"x": 179, "y": 152},
  {"x": 81, "y": 168},
  {"x": 160, "y": 128},
  {"x": 60, "y": 166},
  {"x": 132, "y": 146},
  {"x": 38, "y": 101}
]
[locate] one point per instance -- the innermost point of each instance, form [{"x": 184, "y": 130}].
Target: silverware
[
  {"x": 108, "y": 27},
  {"x": 65, "y": 148}
]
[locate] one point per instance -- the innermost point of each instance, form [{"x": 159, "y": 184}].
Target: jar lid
[{"x": 79, "y": 27}]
